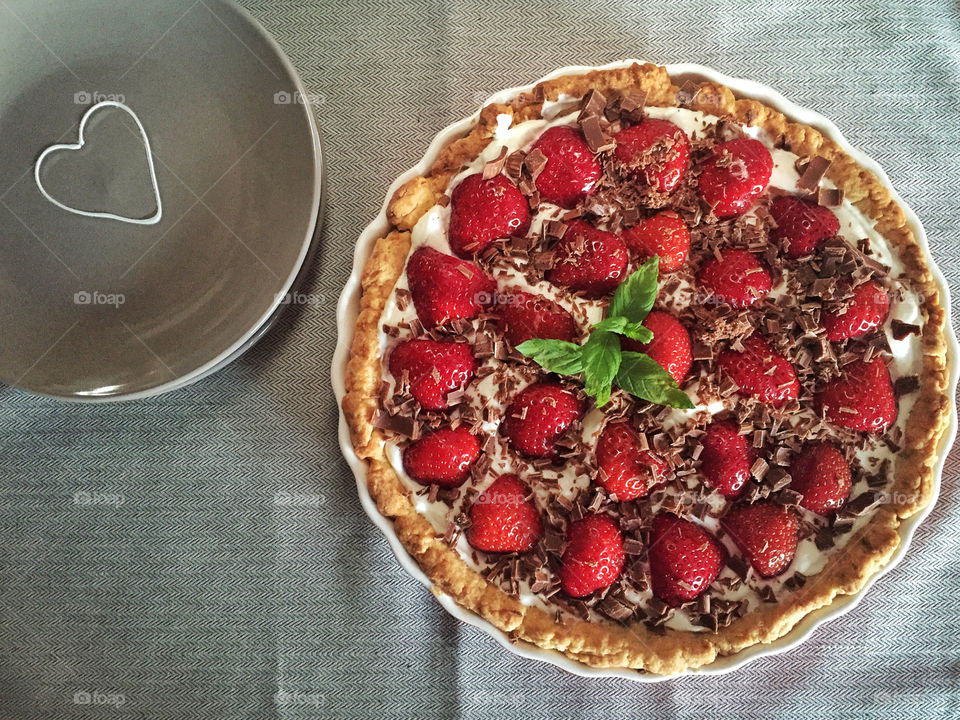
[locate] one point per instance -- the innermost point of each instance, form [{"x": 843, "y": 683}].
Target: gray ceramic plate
[{"x": 96, "y": 307}]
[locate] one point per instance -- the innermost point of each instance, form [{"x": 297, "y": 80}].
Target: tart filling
[{"x": 645, "y": 367}]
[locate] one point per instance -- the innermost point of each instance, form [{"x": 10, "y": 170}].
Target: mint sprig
[{"x": 600, "y": 359}]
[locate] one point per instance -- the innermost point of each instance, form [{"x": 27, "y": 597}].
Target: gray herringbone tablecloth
[{"x": 227, "y": 558}]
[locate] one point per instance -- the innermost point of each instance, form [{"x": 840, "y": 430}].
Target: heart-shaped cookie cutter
[{"x": 153, "y": 219}]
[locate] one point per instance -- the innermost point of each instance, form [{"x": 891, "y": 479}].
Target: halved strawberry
[
  {"x": 571, "y": 172},
  {"x": 502, "y": 519},
  {"x": 867, "y": 310},
  {"x": 446, "y": 288},
  {"x": 821, "y": 474},
  {"x": 655, "y": 152},
  {"x": 670, "y": 347},
  {"x": 738, "y": 278},
  {"x": 761, "y": 371},
  {"x": 766, "y": 533},
  {"x": 665, "y": 235},
  {"x": 726, "y": 458},
  {"x": 861, "y": 398},
  {"x": 433, "y": 368},
  {"x": 802, "y": 226},
  {"x": 482, "y": 211},
  {"x": 735, "y": 176},
  {"x": 593, "y": 558},
  {"x": 527, "y": 316},
  {"x": 624, "y": 468},
  {"x": 588, "y": 260},
  {"x": 684, "y": 559},
  {"x": 538, "y": 416},
  {"x": 443, "y": 457}
]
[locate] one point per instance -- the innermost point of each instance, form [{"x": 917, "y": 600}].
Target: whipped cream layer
[{"x": 431, "y": 230}]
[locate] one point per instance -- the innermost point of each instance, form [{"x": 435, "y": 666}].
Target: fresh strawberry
[
  {"x": 726, "y": 458},
  {"x": 593, "y": 557},
  {"x": 502, "y": 519},
  {"x": 761, "y": 371},
  {"x": 442, "y": 458},
  {"x": 433, "y": 369},
  {"x": 684, "y": 559},
  {"x": 670, "y": 347},
  {"x": 665, "y": 235},
  {"x": 588, "y": 260},
  {"x": 482, "y": 211},
  {"x": 867, "y": 310},
  {"x": 860, "y": 399},
  {"x": 446, "y": 288},
  {"x": 735, "y": 176},
  {"x": 527, "y": 316},
  {"x": 820, "y": 473},
  {"x": 538, "y": 416},
  {"x": 624, "y": 468},
  {"x": 802, "y": 226},
  {"x": 738, "y": 278},
  {"x": 571, "y": 172},
  {"x": 655, "y": 152},
  {"x": 766, "y": 533}
]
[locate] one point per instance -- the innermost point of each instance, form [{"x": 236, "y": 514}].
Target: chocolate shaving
[
  {"x": 830, "y": 197},
  {"x": 493, "y": 168},
  {"x": 400, "y": 424},
  {"x": 900, "y": 330},
  {"x": 824, "y": 538},
  {"x": 554, "y": 229},
  {"x": 534, "y": 163},
  {"x": 596, "y": 139},
  {"x": 766, "y": 594},
  {"x": 906, "y": 385},
  {"x": 633, "y": 547},
  {"x": 738, "y": 565},
  {"x": 813, "y": 172},
  {"x": 795, "y": 581},
  {"x": 632, "y": 100},
  {"x": 593, "y": 105},
  {"x": 861, "y": 505},
  {"x": 514, "y": 164},
  {"x": 759, "y": 468}
]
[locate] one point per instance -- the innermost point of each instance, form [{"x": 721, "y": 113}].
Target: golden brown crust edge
[{"x": 608, "y": 644}]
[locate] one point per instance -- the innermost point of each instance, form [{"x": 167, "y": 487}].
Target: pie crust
[{"x": 606, "y": 643}]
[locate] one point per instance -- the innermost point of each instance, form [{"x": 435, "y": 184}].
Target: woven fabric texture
[{"x": 220, "y": 564}]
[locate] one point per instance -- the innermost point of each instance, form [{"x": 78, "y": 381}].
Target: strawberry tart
[{"x": 646, "y": 373}]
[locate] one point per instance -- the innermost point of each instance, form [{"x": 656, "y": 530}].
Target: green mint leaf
[
  {"x": 639, "y": 375},
  {"x": 622, "y": 326},
  {"x": 635, "y": 295},
  {"x": 636, "y": 331},
  {"x": 611, "y": 324},
  {"x": 601, "y": 360},
  {"x": 559, "y": 356}
]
